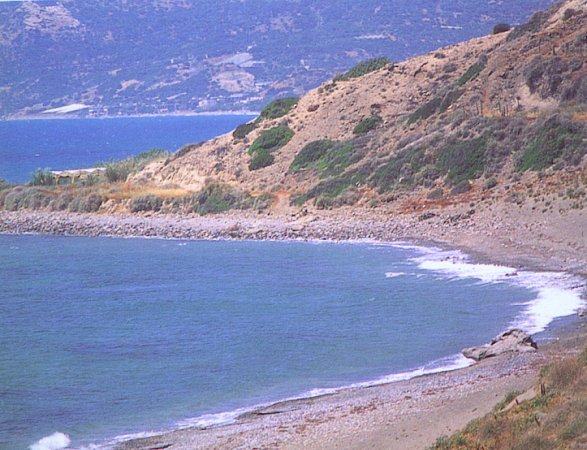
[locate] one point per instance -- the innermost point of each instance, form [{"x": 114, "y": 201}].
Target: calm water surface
[{"x": 101, "y": 337}]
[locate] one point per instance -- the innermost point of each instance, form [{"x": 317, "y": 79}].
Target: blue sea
[
  {"x": 106, "y": 337},
  {"x": 58, "y": 144}
]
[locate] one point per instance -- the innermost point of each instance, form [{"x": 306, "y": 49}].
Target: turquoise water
[
  {"x": 27, "y": 145},
  {"x": 101, "y": 337}
]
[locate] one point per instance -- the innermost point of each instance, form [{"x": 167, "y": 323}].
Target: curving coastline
[
  {"x": 390, "y": 415},
  {"x": 524, "y": 240}
]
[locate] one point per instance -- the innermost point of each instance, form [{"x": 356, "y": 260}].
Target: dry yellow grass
[{"x": 124, "y": 191}]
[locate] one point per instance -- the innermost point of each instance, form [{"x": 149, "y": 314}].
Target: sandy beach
[{"x": 401, "y": 415}]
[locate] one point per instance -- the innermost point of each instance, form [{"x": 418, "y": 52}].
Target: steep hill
[
  {"x": 493, "y": 115},
  {"x": 161, "y": 56}
]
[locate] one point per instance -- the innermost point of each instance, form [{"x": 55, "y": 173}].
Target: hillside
[
  {"x": 482, "y": 117},
  {"x": 162, "y": 56}
]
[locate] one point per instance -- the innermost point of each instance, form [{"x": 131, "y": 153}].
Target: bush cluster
[
  {"x": 534, "y": 24},
  {"x": 472, "y": 72},
  {"x": 278, "y": 108},
  {"x": 501, "y": 28},
  {"x": 367, "y": 124},
  {"x": 363, "y": 68},
  {"x": 268, "y": 142},
  {"x": 311, "y": 153},
  {"x": 33, "y": 197},
  {"x": 220, "y": 197},
  {"x": 556, "y": 140},
  {"x": 464, "y": 160},
  {"x": 242, "y": 131},
  {"x": 117, "y": 171},
  {"x": 42, "y": 177},
  {"x": 261, "y": 158},
  {"x": 4, "y": 184},
  {"x": 555, "y": 418},
  {"x": 146, "y": 203},
  {"x": 399, "y": 171},
  {"x": 425, "y": 111}
]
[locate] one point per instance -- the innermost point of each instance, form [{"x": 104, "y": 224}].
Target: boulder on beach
[{"x": 515, "y": 340}]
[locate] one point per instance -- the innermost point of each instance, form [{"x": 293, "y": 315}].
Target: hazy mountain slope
[{"x": 157, "y": 56}]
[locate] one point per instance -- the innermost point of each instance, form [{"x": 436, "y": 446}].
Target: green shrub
[
  {"x": 561, "y": 374},
  {"x": 278, "y": 108},
  {"x": 4, "y": 184},
  {"x": 449, "y": 99},
  {"x": 186, "y": 149},
  {"x": 219, "y": 197},
  {"x": 340, "y": 157},
  {"x": 556, "y": 140},
  {"x": 576, "y": 428},
  {"x": 346, "y": 197},
  {"x": 298, "y": 200},
  {"x": 435, "y": 194},
  {"x": 328, "y": 157},
  {"x": 243, "y": 130},
  {"x": 490, "y": 183},
  {"x": 272, "y": 139},
  {"x": 582, "y": 357},
  {"x": 425, "y": 111},
  {"x": 332, "y": 187},
  {"x": 533, "y": 73},
  {"x": 61, "y": 202},
  {"x": 88, "y": 203},
  {"x": 363, "y": 68},
  {"x": 569, "y": 13},
  {"x": 261, "y": 158},
  {"x": 576, "y": 91},
  {"x": 262, "y": 201},
  {"x": 146, "y": 203},
  {"x": 117, "y": 171},
  {"x": 311, "y": 153},
  {"x": 471, "y": 73},
  {"x": 367, "y": 124},
  {"x": 464, "y": 160},
  {"x": 461, "y": 188},
  {"x": 510, "y": 396},
  {"x": 42, "y": 177},
  {"x": 537, "y": 20},
  {"x": 23, "y": 197},
  {"x": 400, "y": 170}
]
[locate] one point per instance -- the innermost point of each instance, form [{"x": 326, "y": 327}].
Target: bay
[
  {"x": 102, "y": 337},
  {"x": 58, "y": 144}
]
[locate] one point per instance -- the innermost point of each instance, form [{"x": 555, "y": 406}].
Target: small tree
[
  {"x": 42, "y": 177},
  {"x": 501, "y": 28}
]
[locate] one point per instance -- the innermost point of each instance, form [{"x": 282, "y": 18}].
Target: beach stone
[{"x": 512, "y": 341}]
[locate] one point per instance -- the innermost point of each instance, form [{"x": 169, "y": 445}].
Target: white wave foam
[
  {"x": 229, "y": 417},
  {"x": 56, "y": 441},
  {"x": 124, "y": 438},
  {"x": 443, "y": 365},
  {"x": 558, "y": 294},
  {"x": 394, "y": 274},
  {"x": 212, "y": 420}
]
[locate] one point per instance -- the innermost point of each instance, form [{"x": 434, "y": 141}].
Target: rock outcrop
[{"x": 512, "y": 341}]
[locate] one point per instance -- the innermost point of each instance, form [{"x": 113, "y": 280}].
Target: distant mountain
[{"x": 120, "y": 57}]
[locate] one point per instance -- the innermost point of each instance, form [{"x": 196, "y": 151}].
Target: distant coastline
[{"x": 243, "y": 112}]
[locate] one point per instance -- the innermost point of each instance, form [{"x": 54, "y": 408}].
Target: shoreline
[
  {"x": 41, "y": 116},
  {"x": 319, "y": 422},
  {"x": 485, "y": 244},
  {"x": 393, "y": 411}
]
